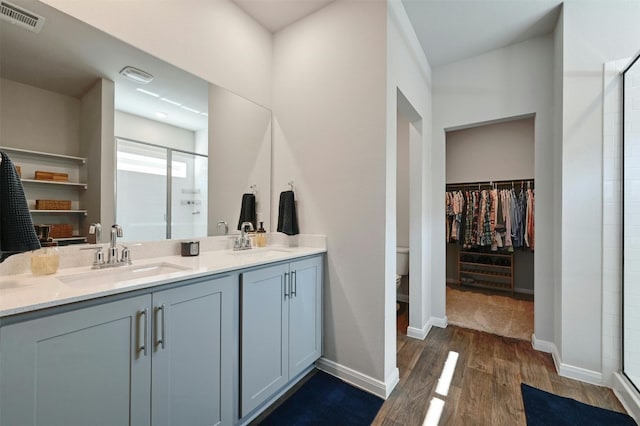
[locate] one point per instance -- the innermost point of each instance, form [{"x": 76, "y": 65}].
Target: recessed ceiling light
[
  {"x": 170, "y": 101},
  {"x": 195, "y": 111},
  {"x": 146, "y": 92},
  {"x": 161, "y": 114},
  {"x": 136, "y": 75}
]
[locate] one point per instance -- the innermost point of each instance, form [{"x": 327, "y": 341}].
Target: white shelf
[
  {"x": 82, "y": 160},
  {"x": 76, "y": 238},
  {"x": 84, "y": 212},
  {"x": 54, "y": 182}
]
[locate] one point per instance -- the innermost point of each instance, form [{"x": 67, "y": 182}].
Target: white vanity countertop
[{"x": 25, "y": 292}]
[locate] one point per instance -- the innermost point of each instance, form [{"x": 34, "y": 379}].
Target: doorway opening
[
  {"x": 409, "y": 216},
  {"x": 490, "y": 226}
]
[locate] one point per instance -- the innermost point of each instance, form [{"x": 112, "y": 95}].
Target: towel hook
[
  {"x": 290, "y": 183},
  {"x": 253, "y": 188}
]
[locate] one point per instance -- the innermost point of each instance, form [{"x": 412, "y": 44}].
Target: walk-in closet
[{"x": 489, "y": 209}]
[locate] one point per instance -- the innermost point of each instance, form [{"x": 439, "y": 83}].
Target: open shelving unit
[
  {"x": 30, "y": 161},
  {"x": 488, "y": 270}
]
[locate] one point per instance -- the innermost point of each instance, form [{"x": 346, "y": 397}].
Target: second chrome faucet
[
  {"x": 112, "y": 255},
  {"x": 243, "y": 242}
]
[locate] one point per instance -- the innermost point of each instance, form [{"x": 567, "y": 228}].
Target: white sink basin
[
  {"x": 261, "y": 253},
  {"x": 122, "y": 273}
]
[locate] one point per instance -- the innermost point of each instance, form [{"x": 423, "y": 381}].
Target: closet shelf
[
  {"x": 52, "y": 182},
  {"x": 489, "y": 285},
  {"x": 84, "y": 212},
  {"x": 489, "y": 265},
  {"x": 487, "y": 274},
  {"x": 82, "y": 160}
]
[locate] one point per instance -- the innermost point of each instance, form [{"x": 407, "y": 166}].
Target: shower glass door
[
  {"x": 161, "y": 193},
  {"x": 631, "y": 225},
  {"x": 141, "y": 191},
  {"x": 188, "y": 195}
]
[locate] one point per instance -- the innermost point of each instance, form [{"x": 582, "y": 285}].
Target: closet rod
[{"x": 515, "y": 182}]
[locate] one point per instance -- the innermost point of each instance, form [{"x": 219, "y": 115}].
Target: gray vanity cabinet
[
  {"x": 76, "y": 368},
  {"x": 192, "y": 362},
  {"x": 164, "y": 358},
  {"x": 281, "y": 327}
]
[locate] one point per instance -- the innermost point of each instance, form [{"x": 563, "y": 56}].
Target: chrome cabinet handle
[
  {"x": 294, "y": 285},
  {"x": 162, "y": 340},
  {"x": 142, "y": 346},
  {"x": 286, "y": 277}
]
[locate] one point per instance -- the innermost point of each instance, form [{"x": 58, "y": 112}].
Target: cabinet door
[
  {"x": 305, "y": 314},
  {"x": 192, "y": 354},
  {"x": 264, "y": 335},
  {"x": 81, "y": 368}
]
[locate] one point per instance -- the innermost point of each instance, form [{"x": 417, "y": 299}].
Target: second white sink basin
[
  {"x": 122, "y": 273},
  {"x": 260, "y": 254}
]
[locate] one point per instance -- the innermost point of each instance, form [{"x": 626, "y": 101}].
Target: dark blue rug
[
  {"x": 326, "y": 400},
  {"x": 544, "y": 408}
]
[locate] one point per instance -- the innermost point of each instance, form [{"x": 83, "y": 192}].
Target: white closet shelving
[{"x": 29, "y": 161}]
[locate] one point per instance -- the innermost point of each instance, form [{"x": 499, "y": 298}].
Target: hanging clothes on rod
[{"x": 498, "y": 217}]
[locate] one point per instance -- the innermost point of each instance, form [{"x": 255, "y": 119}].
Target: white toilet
[{"x": 402, "y": 265}]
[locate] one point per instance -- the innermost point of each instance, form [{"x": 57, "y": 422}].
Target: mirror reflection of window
[
  {"x": 631, "y": 224},
  {"x": 151, "y": 207}
]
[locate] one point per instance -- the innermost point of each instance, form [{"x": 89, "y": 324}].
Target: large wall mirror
[
  {"x": 168, "y": 158},
  {"x": 631, "y": 217}
]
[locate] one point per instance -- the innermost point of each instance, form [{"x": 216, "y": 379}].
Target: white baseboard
[
  {"x": 359, "y": 380},
  {"x": 523, "y": 290},
  {"x": 566, "y": 370},
  {"x": 439, "y": 322},
  {"x": 579, "y": 373},
  {"x": 627, "y": 394},
  {"x": 421, "y": 333}
]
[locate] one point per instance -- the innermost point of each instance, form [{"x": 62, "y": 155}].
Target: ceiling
[
  {"x": 68, "y": 56},
  {"x": 274, "y": 15},
  {"x": 452, "y": 30},
  {"x": 448, "y": 30}
]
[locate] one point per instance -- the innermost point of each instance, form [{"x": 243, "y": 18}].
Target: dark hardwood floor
[{"x": 485, "y": 389}]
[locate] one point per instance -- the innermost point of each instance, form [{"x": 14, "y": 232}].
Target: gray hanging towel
[
  {"x": 287, "y": 218},
  {"x": 17, "y": 233},
  {"x": 248, "y": 210}
]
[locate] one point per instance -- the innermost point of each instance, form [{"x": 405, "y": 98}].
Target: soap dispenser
[{"x": 261, "y": 236}]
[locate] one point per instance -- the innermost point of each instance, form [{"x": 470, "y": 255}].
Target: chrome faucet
[
  {"x": 96, "y": 229},
  {"x": 226, "y": 227},
  {"x": 112, "y": 255},
  {"x": 243, "y": 242},
  {"x": 116, "y": 231}
]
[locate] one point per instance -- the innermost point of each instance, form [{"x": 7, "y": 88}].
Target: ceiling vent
[
  {"x": 20, "y": 16},
  {"x": 136, "y": 75}
]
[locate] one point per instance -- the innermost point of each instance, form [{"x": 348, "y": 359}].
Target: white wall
[
  {"x": 38, "y": 120},
  {"x": 329, "y": 126},
  {"x": 142, "y": 129},
  {"x": 402, "y": 181},
  {"x": 513, "y": 81},
  {"x": 98, "y": 145},
  {"x": 409, "y": 89},
  {"x": 558, "y": 75},
  {"x": 499, "y": 151},
  {"x": 612, "y": 221},
  {"x": 215, "y": 40},
  {"x": 594, "y": 33},
  {"x": 239, "y": 156}
]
